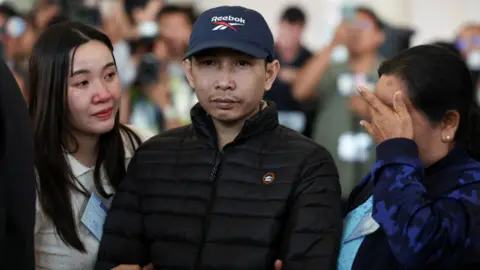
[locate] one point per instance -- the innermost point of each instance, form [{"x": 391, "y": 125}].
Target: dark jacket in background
[
  {"x": 429, "y": 217},
  {"x": 281, "y": 92},
  {"x": 187, "y": 205},
  {"x": 17, "y": 179}
]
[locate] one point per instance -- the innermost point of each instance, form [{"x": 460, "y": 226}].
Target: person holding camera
[{"x": 339, "y": 106}]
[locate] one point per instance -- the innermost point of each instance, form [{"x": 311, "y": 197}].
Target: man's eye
[
  {"x": 243, "y": 63},
  {"x": 208, "y": 62}
]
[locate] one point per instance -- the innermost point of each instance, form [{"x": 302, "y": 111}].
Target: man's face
[
  {"x": 289, "y": 34},
  {"x": 176, "y": 30},
  {"x": 230, "y": 85},
  {"x": 363, "y": 35},
  {"x": 468, "y": 39}
]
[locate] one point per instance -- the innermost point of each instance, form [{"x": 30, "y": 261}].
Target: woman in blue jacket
[{"x": 419, "y": 208}]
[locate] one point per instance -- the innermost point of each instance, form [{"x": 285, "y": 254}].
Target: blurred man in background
[
  {"x": 6, "y": 11},
  {"x": 468, "y": 42},
  {"x": 43, "y": 14},
  {"x": 292, "y": 56},
  {"x": 334, "y": 84},
  {"x": 19, "y": 38},
  {"x": 176, "y": 24}
]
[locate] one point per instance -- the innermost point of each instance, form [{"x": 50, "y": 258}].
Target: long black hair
[
  {"x": 49, "y": 72},
  {"x": 438, "y": 80}
]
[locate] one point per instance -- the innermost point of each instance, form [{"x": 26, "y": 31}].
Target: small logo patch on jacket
[{"x": 268, "y": 178}]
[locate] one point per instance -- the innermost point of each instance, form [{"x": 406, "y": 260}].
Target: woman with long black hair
[
  {"x": 81, "y": 149},
  {"x": 419, "y": 208}
]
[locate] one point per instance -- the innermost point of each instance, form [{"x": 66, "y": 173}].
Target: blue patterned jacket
[{"x": 429, "y": 217}]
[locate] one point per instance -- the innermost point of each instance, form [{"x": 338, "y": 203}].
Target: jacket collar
[{"x": 265, "y": 120}]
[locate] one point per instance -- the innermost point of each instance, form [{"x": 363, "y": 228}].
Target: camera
[{"x": 148, "y": 70}]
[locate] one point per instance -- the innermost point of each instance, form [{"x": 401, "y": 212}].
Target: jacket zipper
[{"x": 206, "y": 220}]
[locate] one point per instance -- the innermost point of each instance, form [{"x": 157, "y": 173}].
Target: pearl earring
[{"x": 448, "y": 138}]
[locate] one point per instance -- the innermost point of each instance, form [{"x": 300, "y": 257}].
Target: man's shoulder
[
  {"x": 295, "y": 141},
  {"x": 170, "y": 137}
]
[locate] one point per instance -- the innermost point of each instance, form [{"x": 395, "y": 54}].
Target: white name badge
[
  {"x": 293, "y": 120},
  {"x": 94, "y": 215},
  {"x": 366, "y": 226},
  {"x": 354, "y": 147},
  {"x": 346, "y": 84}
]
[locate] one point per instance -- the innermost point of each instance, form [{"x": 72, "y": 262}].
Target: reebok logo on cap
[{"x": 224, "y": 22}]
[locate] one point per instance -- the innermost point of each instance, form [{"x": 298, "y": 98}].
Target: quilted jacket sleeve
[
  {"x": 423, "y": 231},
  {"x": 314, "y": 226},
  {"x": 122, "y": 240}
]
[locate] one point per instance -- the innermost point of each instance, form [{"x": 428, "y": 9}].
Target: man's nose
[{"x": 225, "y": 80}]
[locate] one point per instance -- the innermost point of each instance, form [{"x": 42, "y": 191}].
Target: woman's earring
[{"x": 447, "y": 138}]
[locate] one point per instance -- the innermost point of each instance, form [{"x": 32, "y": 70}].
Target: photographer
[
  {"x": 148, "y": 102},
  {"x": 161, "y": 98}
]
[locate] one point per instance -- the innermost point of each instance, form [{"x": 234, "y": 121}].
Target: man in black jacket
[
  {"x": 234, "y": 190},
  {"x": 17, "y": 178}
]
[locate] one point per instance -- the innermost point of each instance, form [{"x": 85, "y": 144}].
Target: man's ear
[
  {"x": 187, "y": 67},
  {"x": 271, "y": 73},
  {"x": 381, "y": 37}
]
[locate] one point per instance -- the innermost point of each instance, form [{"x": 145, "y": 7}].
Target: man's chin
[{"x": 227, "y": 118}]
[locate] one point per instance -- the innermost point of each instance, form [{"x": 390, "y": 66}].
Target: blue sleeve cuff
[{"x": 397, "y": 148}]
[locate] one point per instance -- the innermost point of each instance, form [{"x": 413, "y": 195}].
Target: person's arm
[
  {"x": 311, "y": 74},
  {"x": 420, "y": 231},
  {"x": 314, "y": 225},
  {"x": 288, "y": 74},
  {"x": 123, "y": 233},
  {"x": 308, "y": 77},
  {"x": 18, "y": 185}
]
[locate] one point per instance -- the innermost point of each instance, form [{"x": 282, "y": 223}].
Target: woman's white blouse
[{"x": 51, "y": 252}]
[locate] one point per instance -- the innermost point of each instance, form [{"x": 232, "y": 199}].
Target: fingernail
[{"x": 359, "y": 89}]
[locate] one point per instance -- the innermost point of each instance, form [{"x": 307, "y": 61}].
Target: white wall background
[{"x": 435, "y": 19}]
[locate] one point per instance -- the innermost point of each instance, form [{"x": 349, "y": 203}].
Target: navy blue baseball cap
[{"x": 232, "y": 27}]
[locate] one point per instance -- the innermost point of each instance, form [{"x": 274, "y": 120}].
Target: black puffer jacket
[
  {"x": 270, "y": 194},
  {"x": 17, "y": 177}
]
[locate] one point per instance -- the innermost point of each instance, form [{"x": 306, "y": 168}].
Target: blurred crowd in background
[{"x": 314, "y": 92}]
